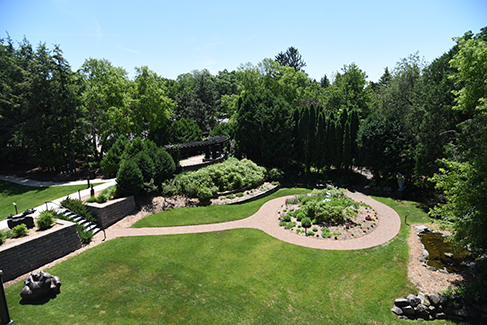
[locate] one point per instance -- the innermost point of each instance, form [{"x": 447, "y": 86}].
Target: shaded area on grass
[
  {"x": 212, "y": 213},
  {"x": 28, "y": 197}
]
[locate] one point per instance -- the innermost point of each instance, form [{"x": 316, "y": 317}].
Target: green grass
[
  {"x": 240, "y": 276},
  {"x": 28, "y": 197},
  {"x": 212, "y": 213}
]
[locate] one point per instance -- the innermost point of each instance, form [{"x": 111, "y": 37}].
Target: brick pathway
[{"x": 266, "y": 220}]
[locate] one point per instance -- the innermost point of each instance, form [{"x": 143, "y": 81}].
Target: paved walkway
[
  {"x": 266, "y": 220},
  {"x": 30, "y": 182},
  {"x": 55, "y": 203}
]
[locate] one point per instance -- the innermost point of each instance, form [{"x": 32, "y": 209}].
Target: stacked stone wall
[
  {"x": 30, "y": 253},
  {"x": 112, "y": 211}
]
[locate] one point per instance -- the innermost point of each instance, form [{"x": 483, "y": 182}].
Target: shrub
[
  {"x": 204, "y": 194},
  {"x": 274, "y": 174},
  {"x": 310, "y": 233},
  {"x": 290, "y": 225},
  {"x": 306, "y": 222},
  {"x": 84, "y": 235},
  {"x": 287, "y": 217},
  {"x": 283, "y": 224},
  {"x": 20, "y": 230},
  {"x": 239, "y": 194},
  {"x": 111, "y": 162},
  {"x": 46, "y": 219},
  {"x": 315, "y": 229},
  {"x": 325, "y": 233},
  {"x": 105, "y": 195},
  {"x": 129, "y": 179},
  {"x": 3, "y": 236},
  {"x": 299, "y": 215},
  {"x": 145, "y": 164},
  {"x": 78, "y": 207}
]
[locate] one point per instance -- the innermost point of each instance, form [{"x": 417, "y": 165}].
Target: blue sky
[{"x": 176, "y": 37}]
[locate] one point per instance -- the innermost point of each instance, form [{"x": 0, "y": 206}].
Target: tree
[
  {"x": 463, "y": 180},
  {"x": 384, "y": 146},
  {"x": 325, "y": 82},
  {"x": 291, "y": 58},
  {"x": 106, "y": 97},
  {"x": 348, "y": 91},
  {"x": 264, "y": 129},
  {"x": 150, "y": 109}
]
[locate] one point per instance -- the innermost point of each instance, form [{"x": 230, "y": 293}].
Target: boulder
[
  {"x": 396, "y": 310},
  {"x": 422, "y": 311},
  {"x": 401, "y": 302},
  {"x": 434, "y": 299},
  {"x": 413, "y": 300},
  {"x": 408, "y": 310}
]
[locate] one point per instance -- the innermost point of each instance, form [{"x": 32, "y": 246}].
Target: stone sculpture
[{"x": 37, "y": 286}]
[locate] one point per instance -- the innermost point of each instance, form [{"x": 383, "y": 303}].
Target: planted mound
[
  {"x": 206, "y": 182},
  {"x": 329, "y": 213}
]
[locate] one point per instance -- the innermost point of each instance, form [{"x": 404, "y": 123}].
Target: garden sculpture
[
  {"x": 25, "y": 218},
  {"x": 37, "y": 286},
  {"x": 401, "y": 181}
]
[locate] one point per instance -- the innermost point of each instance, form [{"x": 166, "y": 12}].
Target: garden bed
[{"x": 358, "y": 227}]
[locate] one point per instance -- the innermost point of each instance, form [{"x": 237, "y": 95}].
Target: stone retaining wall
[
  {"x": 430, "y": 307},
  {"x": 32, "y": 252},
  {"x": 112, "y": 211},
  {"x": 258, "y": 196}
]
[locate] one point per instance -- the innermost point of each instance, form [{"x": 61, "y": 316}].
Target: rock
[
  {"x": 402, "y": 317},
  {"x": 450, "y": 255},
  {"x": 426, "y": 254},
  {"x": 421, "y": 259},
  {"x": 422, "y": 228},
  {"x": 460, "y": 313},
  {"x": 421, "y": 297},
  {"x": 401, "y": 302},
  {"x": 408, "y": 310},
  {"x": 443, "y": 271},
  {"x": 413, "y": 300},
  {"x": 396, "y": 310},
  {"x": 443, "y": 298},
  {"x": 420, "y": 319},
  {"x": 441, "y": 316},
  {"x": 422, "y": 311},
  {"x": 424, "y": 264},
  {"x": 431, "y": 268},
  {"x": 434, "y": 299}
]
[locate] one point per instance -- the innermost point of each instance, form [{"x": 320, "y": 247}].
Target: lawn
[
  {"x": 240, "y": 276},
  {"x": 212, "y": 213},
  {"x": 27, "y": 197}
]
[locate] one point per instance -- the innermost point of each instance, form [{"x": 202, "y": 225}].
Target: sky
[{"x": 179, "y": 36}]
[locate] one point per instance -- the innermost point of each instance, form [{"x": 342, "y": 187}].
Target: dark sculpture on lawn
[{"x": 37, "y": 286}]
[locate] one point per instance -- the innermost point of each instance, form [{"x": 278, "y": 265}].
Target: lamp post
[
  {"x": 4, "y": 314},
  {"x": 15, "y": 205}
]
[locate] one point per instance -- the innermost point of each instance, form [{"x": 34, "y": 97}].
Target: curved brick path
[{"x": 265, "y": 220}]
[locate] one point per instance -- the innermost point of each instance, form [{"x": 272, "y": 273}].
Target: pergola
[{"x": 211, "y": 145}]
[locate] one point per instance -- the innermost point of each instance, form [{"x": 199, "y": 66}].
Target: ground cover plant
[
  {"x": 27, "y": 197},
  {"x": 210, "y": 214},
  {"x": 229, "y": 277},
  {"x": 206, "y": 182}
]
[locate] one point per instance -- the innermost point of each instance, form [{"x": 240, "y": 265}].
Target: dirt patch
[{"x": 428, "y": 282}]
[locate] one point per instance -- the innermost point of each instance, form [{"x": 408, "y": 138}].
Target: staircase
[{"x": 87, "y": 224}]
